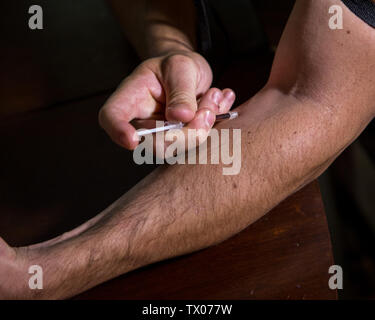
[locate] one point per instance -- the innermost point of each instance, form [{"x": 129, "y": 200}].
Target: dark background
[{"x": 81, "y": 54}]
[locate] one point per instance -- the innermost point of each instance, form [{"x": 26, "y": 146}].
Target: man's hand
[{"x": 173, "y": 87}]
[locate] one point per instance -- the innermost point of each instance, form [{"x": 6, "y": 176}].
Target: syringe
[{"x": 178, "y": 125}]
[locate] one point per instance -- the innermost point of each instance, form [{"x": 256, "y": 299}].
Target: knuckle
[
  {"x": 178, "y": 62},
  {"x": 177, "y": 97},
  {"x": 179, "y": 59}
]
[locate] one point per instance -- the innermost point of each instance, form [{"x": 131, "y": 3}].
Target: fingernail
[
  {"x": 209, "y": 118},
  {"x": 228, "y": 94}
]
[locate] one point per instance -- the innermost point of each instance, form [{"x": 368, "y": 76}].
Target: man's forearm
[
  {"x": 157, "y": 27},
  {"x": 180, "y": 209}
]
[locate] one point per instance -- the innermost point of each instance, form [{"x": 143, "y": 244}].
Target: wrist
[
  {"x": 14, "y": 273},
  {"x": 163, "y": 40}
]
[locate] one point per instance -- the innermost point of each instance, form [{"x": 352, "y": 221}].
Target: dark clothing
[
  {"x": 228, "y": 29},
  {"x": 364, "y": 9}
]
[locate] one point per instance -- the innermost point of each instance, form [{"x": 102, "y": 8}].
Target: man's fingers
[
  {"x": 204, "y": 119},
  {"x": 219, "y": 101},
  {"x": 227, "y": 102},
  {"x": 139, "y": 96},
  {"x": 180, "y": 84},
  {"x": 119, "y": 129},
  {"x": 202, "y": 123},
  {"x": 213, "y": 102},
  {"x": 211, "y": 99}
]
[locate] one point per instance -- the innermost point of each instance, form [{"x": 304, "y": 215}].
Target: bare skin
[
  {"x": 173, "y": 83},
  {"x": 319, "y": 97}
]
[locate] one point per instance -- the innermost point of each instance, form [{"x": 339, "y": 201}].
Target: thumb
[{"x": 180, "y": 74}]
